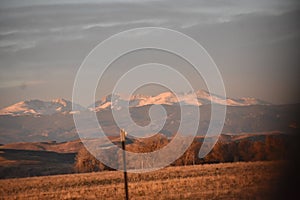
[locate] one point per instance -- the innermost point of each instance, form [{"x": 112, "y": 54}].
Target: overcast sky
[{"x": 254, "y": 43}]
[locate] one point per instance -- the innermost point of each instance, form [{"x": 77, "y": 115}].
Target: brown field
[{"x": 242, "y": 180}]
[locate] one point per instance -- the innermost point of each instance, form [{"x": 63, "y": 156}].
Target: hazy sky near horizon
[{"x": 254, "y": 43}]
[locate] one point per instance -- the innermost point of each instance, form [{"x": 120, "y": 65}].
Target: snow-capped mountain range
[
  {"x": 168, "y": 98},
  {"x": 38, "y": 107}
]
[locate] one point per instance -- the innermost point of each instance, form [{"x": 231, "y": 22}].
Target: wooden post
[{"x": 123, "y": 139}]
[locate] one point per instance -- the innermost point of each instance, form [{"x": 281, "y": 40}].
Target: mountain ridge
[
  {"x": 38, "y": 107},
  {"x": 117, "y": 101},
  {"x": 203, "y": 97},
  {"x": 60, "y": 127}
]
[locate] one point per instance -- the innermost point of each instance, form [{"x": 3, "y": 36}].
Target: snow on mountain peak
[
  {"x": 168, "y": 98},
  {"x": 61, "y": 101},
  {"x": 251, "y": 101},
  {"x": 139, "y": 96},
  {"x": 119, "y": 101},
  {"x": 38, "y": 107}
]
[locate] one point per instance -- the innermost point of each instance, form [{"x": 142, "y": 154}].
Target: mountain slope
[
  {"x": 63, "y": 147},
  {"x": 38, "y": 107},
  {"x": 118, "y": 101},
  {"x": 239, "y": 119}
]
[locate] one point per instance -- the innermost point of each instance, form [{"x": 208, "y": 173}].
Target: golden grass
[{"x": 253, "y": 180}]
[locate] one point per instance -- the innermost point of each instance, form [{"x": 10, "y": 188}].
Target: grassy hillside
[
  {"x": 50, "y": 158},
  {"x": 248, "y": 180},
  {"x": 59, "y": 147},
  {"x": 24, "y": 163}
]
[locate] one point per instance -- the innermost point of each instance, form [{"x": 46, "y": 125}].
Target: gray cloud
[{"x": 51, "y": 38}]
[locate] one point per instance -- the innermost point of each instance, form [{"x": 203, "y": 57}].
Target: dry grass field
[{"x": 243, "y": 180}]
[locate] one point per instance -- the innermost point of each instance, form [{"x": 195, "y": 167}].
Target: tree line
[{"x": 268, "y": 147}]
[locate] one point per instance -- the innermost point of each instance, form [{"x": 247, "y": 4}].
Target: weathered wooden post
[{"x": 123, "y": 140}]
